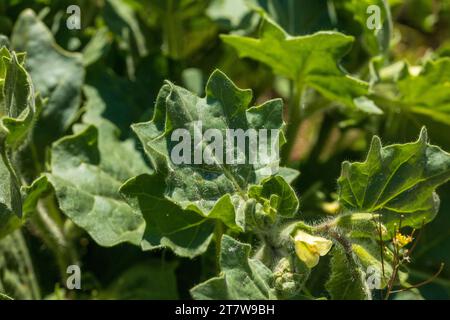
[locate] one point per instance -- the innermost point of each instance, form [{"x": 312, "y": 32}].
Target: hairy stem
[{"x": 294, "y": 121}]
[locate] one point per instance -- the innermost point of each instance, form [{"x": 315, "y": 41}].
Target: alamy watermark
[
  {"x": 373, "y": 278},
  {"x": 73, "y": 281},
  {"x": 374, "y": 20},
  {"x": 73, "y": 22},
  {"x": 230, "y": 146}
]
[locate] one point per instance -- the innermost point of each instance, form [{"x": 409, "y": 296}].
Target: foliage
[{"x": 88, "y": 178}]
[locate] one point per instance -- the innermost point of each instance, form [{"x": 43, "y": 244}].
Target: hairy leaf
[
  {"x": 17, "y": 277},
  {"x": 216, "y": 189},
  {"x": 186, "y": 232},
  {"x": 398, "y": 182},
  {"x": 346, "y": 281},
  {"x": 242, "y": 278},
  {"x": 87, "y": 170},
  {"x": 18, "y": 112}
]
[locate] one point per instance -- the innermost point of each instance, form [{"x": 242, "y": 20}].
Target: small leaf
[
  {"x": 346, "y": 281},
  {"x": 287, "y": 203},
  {"x": 242, "y": 278}
]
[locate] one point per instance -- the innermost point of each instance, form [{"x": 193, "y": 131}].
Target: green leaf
[
  {"x": 57, "y": 74},
  {"x": 19, "y": 107},
  {"x": 242, "y": 278},
  {"x": 151, "y": 280},
  {"x": 10, "y": 202},
  {"x": 398, "y": 182},
  {"x": 278, "y": 194},
  {"x": 185, "y": 26},
  {"x": 375, "y": 40},
  {"x": 215, "y": 190},
  {"x": 122, "y": 20},
  {"x": 428, "y": 92},
  {"x": 18, "y": 112},
  {"x": 87, "y": 170},
  {"x": 346, "y": 281},
  {"x": 186, "y": 232},
  {"x": 17, "y": 277},
  {"x": 97, "y": 47},
  {"x": 297, "y": 17},
  {"x": 308, "y": 60}
]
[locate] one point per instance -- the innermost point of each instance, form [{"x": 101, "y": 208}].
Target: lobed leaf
[
  {"x": 311, "y": 60},
  {"x": 217, "y": 189},
  {"x": 398, "y": 182}
]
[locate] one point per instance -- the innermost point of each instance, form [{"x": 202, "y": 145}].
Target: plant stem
[
  {"x": 294, "y": 121},
  {"x": 54, "y": 238},
  {"x": 20, "y": 242},
  {"x": 218, "y": 232},
  {"x": 15, "y": 191}
]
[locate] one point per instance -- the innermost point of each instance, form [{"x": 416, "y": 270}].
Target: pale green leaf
[
  {"x": 57, "y": 74},
  {"x": 311, "y": 60},
  {"x": 87, "y": 170}
]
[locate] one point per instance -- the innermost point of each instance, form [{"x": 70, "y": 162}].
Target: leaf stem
[
  {"x": 295, "y": 119},
  {"x": 218, "y": 233}
]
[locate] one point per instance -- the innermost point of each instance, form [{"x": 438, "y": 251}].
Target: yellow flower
[
  {"x": 402, "y": 240},
  {"x": 331, "y": 207},
  {"x": 309, "y": 248}
]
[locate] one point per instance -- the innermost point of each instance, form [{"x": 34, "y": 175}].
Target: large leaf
[
  {"x": 311, "y": 60},
  {"x": 216, "y": 189},
  {"x": 398, "y": 182},
  {"x": 87, "y": 170},
  {"x": 58, "y": 75},
  {"x": 242, "y": 278}
]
